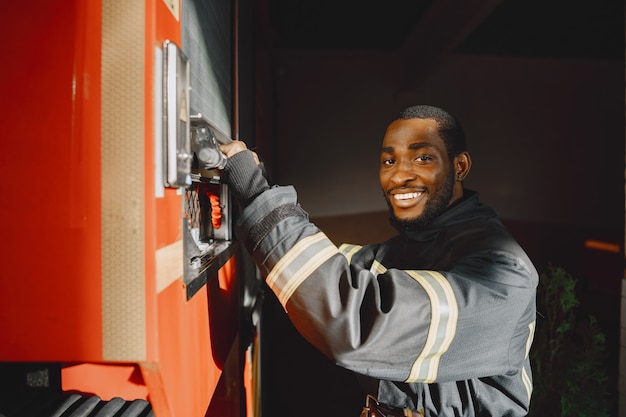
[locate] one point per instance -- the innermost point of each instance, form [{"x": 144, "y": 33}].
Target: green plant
[{"x": 567, "y": 354}]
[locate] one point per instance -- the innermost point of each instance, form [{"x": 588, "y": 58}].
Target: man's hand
[
  {"x": 235, "y": 147},
  {"x": 243, "y": 173}
]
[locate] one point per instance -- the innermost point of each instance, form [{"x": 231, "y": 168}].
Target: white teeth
[{"x": 405, "y": 196}]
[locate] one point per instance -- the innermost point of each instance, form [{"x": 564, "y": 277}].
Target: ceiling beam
[{"x": 442, "y": 28}]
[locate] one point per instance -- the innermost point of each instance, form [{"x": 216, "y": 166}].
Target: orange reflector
[{"x": 603, "y": 246}]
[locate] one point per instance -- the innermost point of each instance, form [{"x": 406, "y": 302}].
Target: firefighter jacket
[{"x": 442, "y": 318}]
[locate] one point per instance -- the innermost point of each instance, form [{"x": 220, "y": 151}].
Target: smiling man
[
  {"x": 419, "y": 176},
  {"x": 437, "y": 321}
]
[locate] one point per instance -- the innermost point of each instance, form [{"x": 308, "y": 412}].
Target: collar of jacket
[{"x": 467, "y": 209}]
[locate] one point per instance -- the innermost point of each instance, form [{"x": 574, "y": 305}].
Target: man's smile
[
  {"x": 405, "y": 196},
  {"x": 403, "y": 199}
]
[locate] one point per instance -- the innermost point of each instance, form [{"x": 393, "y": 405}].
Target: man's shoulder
[{"x": 484, "y": 235}]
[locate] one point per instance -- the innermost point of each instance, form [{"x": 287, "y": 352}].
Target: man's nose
[{"x": 403, "y": 173}]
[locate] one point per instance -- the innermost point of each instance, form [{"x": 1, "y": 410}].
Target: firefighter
[{"x": 440, "y": 317}]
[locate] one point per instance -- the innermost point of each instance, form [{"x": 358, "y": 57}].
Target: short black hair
[{"x": 450, "y": 129}]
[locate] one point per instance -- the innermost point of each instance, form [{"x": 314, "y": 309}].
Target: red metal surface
[
  {"x": 50, "y": 260},
  {"x": 49, "y": 162}
]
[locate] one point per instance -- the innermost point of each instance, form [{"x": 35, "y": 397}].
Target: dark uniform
[{"x": 441, "y": 318}]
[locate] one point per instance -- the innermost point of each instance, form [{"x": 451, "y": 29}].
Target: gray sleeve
[{"x": 245, "y": 177}]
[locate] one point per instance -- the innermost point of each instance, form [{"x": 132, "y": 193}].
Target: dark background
[{"x": 539, "y": 88}]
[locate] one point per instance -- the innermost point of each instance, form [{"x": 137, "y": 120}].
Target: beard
[{"x": 436, "y": 204}]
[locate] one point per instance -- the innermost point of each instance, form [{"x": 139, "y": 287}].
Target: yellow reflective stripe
[
  {"x": 304, "y": 272},
  {"x": 531, "y": 336},
  {"x": 377, "y": 268},
  {"x": 349, "y": 250},
  {"x": 444, "y": 317},
  {"x": 298, "y": 264},
  {"x": 290, "y": 256},
  {"x": 527, "y": 383},
  {"x": 525, "y": 377}
]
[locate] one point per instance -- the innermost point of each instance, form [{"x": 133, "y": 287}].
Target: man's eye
[
  {"x": 424, "y": 158},
  {"x": 388, "y": 161}
]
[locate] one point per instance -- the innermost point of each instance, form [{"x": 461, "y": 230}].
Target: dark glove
[{"x": 245, "y": 177}]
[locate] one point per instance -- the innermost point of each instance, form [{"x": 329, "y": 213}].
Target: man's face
[{"x": 416, "y": 175}]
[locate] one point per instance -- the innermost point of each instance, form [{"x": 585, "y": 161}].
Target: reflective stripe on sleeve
[
  {"x": 528, "y": 383},
  {"x": 298, "y": 264},
  {"x": 348, "y": 250},
  {"x": 377, "y": 268},
  {"x": 444, "y": 317}
]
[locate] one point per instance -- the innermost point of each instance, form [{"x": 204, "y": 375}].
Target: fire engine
[{"x": 123, "y": 289}]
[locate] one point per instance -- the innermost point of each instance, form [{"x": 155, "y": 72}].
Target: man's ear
[{"x": 462, "y": 165}]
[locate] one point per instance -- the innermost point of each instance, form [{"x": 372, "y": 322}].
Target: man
[{"x": 439, "y": 319}]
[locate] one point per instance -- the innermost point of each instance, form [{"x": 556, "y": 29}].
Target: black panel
[
  {"x": 556, "y": 28},
  {"x": 207, "y": 42},
  {"x": 34, "y": 390}
]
